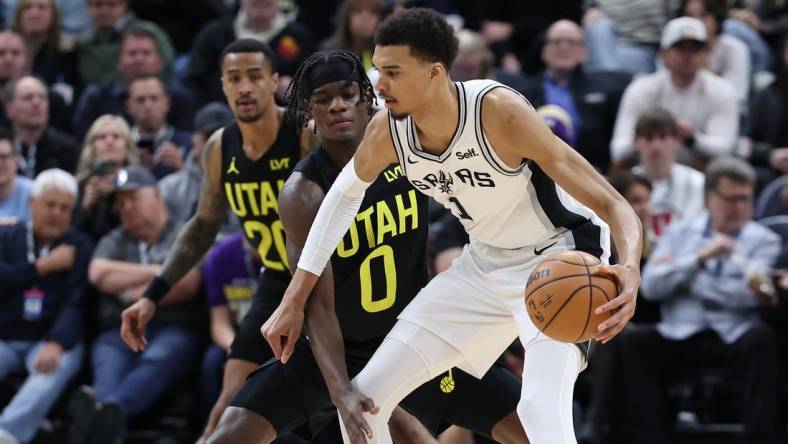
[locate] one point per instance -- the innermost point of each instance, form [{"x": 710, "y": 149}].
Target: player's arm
[
  {"x": 190, "y": 246},
  {"x": 336, "y": 213},
  {"x": 200, "y": 231},
  {"x": 517, "y": 132},
  {"x": 299, "y": 202}
]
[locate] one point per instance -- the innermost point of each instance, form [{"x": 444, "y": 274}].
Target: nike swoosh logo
[
  {"x": 412, "y": 161},
  {"x": 538, "y": 251}
]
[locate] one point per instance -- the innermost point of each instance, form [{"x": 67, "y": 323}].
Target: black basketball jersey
[
  {"x": 252, "y": 189},
  {"x": 380, "y": 264}
]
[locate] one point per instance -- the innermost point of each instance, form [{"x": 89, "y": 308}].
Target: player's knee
[
  {"x": 509, "y": 430},
  {"x": 544, "y": 419},
  {"x": 241, "y": 426}
]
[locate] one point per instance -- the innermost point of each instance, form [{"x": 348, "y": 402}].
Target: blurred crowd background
[{"x": 683, "y": 104}]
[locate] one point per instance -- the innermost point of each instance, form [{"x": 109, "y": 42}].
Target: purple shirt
[{"x": 230, "y": 275}]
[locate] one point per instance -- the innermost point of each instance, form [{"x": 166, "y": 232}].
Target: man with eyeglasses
[
  {"x": 590, "y": 98},
  {"x": 709, "y": 274}
]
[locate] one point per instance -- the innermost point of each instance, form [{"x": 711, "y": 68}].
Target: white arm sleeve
[{"x": 336, "y": 213}]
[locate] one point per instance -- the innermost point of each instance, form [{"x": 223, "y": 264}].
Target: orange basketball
[{"x": 562, "y": 293}]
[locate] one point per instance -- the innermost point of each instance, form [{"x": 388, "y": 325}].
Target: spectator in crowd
[
  {"x": 126, "y": 259},
  {"x": 729, "y": 58},
  {"x": 637, "y": 189},
  {"x": 777, "y": 316},
  {"x": 475, "y": 60},
  {"x": 43, "y": 267},
  {"x": 356, "y": 23},
  {"x": 98, "y": 47},
  {"x": 624, "y": 35},
  {"x": 591, "y": 99},
  {"x": 74, "y": 17},
  {"x": 513, "y": 29},
  {"x": 259, "y": 19},
  {"x": 108, "y": 147},
  {"x": 677, "y": 192},
  {"x": 313, "y": 16},
  {"x": 182, "y": 19},
  {"x": 14, "y": 62},
  {"x": 705, "y": 105},
  {"x": 39, "y": 22},
  {"x": 230, "y": 274},
  {"x": 768, "y": 131},
  {"x": 140, "y": 55},
  {"x": 38, "y": 145},
  {"x": 14, "y": 189},
  {"x": 704, "y": 271},
  {"x": 755, "y": 22},
  {"x": 181, "y": 190},
  {"x": 14, "y": 56},
  {"x": 162, "y": 147}
]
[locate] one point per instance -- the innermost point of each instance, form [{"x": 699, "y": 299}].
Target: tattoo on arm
[{"x": 200, "y": 232}]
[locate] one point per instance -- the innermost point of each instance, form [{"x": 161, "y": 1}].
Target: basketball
[{"x": 562, "y": 293}]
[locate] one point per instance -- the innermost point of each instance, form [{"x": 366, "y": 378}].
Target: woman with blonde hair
[{"x": 108, "y": 147}]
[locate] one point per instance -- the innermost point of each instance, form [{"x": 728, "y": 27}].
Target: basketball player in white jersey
[{"x": 479, "y": 149}]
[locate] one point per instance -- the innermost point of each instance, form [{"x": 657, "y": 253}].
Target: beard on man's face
[{"x": 250, "y": 118}]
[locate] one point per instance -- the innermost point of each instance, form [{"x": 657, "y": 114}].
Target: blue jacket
[{"x": 61, "y": 315}]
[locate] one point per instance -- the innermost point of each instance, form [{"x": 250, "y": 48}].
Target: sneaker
[
  {"x": 7, "y": 438},
  {"x": 82, "y": 409}
]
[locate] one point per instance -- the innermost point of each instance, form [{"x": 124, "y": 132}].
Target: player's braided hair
[{"x": 298, "y": 92}]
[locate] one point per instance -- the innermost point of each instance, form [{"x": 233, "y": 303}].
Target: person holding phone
[
  {"x": 163, "y": 148},
  {"x": 108, "y": 146}
]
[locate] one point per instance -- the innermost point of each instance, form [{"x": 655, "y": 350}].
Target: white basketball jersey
[{"x": 498, "y": 206}]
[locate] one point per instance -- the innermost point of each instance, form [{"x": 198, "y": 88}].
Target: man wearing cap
[
  {"x": 704, "y": 104},
  {"x": 126, "y": 260},
  {"x": 181, "y": 190}
]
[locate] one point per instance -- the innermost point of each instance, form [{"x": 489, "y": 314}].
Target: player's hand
[
  {"x": 133, "y": 322},
  {"x": 48, "y": 357},
  {"x": 623, "y": 305},
  {"x": 351, "y": 405},
  {"x": 283, "y": 328}
]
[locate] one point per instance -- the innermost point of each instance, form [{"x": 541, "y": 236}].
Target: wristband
[{"x": 157, "y": 289}]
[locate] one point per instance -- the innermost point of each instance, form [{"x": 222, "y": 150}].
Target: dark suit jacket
[
  {"x": 596, "y": 97},
  {"x": 56, "y": 149}
]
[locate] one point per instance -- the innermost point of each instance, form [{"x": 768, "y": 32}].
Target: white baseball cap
[{"x": 683, "y": 29}]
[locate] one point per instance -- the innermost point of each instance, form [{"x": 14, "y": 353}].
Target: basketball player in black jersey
[
  {"x": 246, "y": 165},
  {"x": 378, "y": 268}
]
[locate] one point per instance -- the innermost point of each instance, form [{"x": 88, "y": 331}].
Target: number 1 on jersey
[{"x": 463, "y": 214}]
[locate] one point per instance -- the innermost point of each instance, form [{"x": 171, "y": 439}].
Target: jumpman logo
[{"x": 232, "y": 168}]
